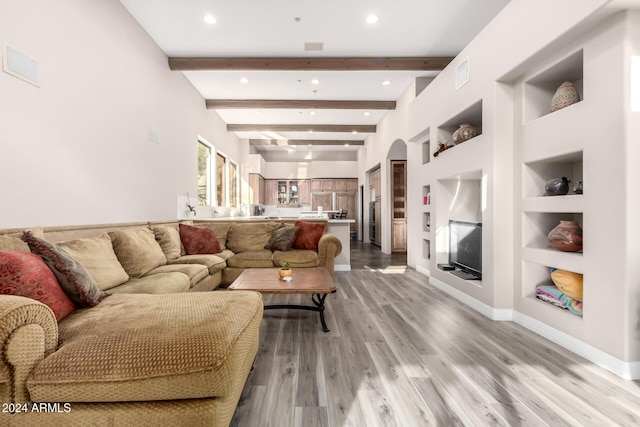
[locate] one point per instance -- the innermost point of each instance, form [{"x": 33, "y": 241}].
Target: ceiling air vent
[{"x": 313, "y": 46}]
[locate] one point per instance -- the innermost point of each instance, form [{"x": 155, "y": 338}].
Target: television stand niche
[{"x": 465, "y": 275}]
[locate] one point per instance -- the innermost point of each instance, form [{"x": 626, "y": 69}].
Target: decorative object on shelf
[
  {"x": 578, "y": 188},
  {"x": 442, "y": 146},
  {"x": 465, "y": 132},
  {"x": 557, "y": 186},
  {"x": 566, "y": 236},
  {"x": 284, "y": 271},
  {"x": 565, "y": 95}
]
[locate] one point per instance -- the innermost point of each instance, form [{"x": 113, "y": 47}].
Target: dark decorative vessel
[
  {"x": 566, "y": 236},
  {"x": 557, "y": 187},
  {"x": 578, "y": 188}
]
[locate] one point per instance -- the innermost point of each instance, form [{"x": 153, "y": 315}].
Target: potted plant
[
  {"x": 284, "y": 271},
  {"x": 190, "y": 207}
]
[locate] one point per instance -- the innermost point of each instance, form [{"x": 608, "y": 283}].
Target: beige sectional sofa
[
  {"x": 150, "y": 258},
  {"x": 150, "y": 352}
]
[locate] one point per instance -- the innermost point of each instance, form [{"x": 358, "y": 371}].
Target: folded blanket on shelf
[{"x": 553, "y": 295}]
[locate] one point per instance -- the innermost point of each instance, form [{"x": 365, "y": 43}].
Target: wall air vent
[{"x": 313, "y": 46}]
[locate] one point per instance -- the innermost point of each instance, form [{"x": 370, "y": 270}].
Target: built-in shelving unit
[
  {"x": 426, "y": 150},
  {"x": 544, "y": 156}
]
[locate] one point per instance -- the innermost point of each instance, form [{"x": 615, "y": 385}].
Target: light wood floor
[{"x": 402, "y": 353}]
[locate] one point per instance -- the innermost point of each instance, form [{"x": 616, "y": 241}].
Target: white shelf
[
  {"x": 571, "y": 261},
  {"x": 568, "y": 203}
]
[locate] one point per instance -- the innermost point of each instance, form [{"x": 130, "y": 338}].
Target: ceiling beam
[
  {"x": 303, "y": 104},
  {"x": 311, "y": 64},
  {"x": 300, "y": 128},
  {"x": 305, "y": 142}
]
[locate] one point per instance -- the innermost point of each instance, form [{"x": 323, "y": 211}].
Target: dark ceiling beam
[
  {"x": 311, "y": 64},
  {"x": 300, "y": 128},
  {"x": 305, "y": 142},
  {"x": 303, "y": 104}
]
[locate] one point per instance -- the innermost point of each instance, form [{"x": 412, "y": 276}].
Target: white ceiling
[{"x": 257, "y": 28}]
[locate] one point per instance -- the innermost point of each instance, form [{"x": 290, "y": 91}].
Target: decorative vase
[
  {"x": 557, "y": 187},
  {"x": 284, "y": 272},
  {"x": 566, "y": 236},
  {"x": 465, "y": 132},
  {"x": 565, "y": 95},
  {"x": 578, "y": 188}
]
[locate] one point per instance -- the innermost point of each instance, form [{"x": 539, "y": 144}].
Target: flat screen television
[{"x": 465, "y": 249}]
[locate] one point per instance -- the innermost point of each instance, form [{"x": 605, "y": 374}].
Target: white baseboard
[
  {"x": 626, "y": 370},
  {"x": 342, "y": 267}
]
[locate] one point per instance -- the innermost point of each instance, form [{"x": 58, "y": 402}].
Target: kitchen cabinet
[
  {"x": 399, "y": 206},
  {"x": 399, "y": 235},
  {"x": 327, "y": 185},
  {"x": 316, "y": 185},
  {"x": 374, "y": 183},
  {"x": 347, "y": 202},
  {"x": 321, "y": 199},
  {"x": 270, "y": 191},
  {"x": 340, "y": 184},
  {"x": 304, "y": 188},
  {"x": 257, "y": 186},
  {"x": 352, "y": 185}
]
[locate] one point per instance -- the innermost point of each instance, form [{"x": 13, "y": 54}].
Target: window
[
  {"x": 204, "y": 174},
  {"x": 225, "y": 181},
  {"x": 221, "y": 182}
]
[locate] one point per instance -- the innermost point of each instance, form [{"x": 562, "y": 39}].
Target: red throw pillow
[
  {"x": 309, "y": 235},
  {"x": 25, "y": 274},
  {"x": 199, "y": 240}
]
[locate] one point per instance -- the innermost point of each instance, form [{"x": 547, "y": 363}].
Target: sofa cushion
[
  {"x": 221, "y": 230},
  {"x": 282, "y": 238},
  {"x": 156, "y": 347},
  {"x": 296, "y": 258},
  {"x": 161, "y": 283},
  {"x": 251, "y": 259},
  {"x": 309, "y": 235},
  {"x": 137, "y": 250},
  {"x": 225, "y": 254},
  {"x": 252, "y": 236},
  {"x": 74, "y": 279},
  {"x": 168, "y": 237},
  {"x": 213, "y": 262},
  {"x": 199, "y": 240},
  {"x": 12, "y": 242},
  {"x": 97, "y": 256},
  {"x": 195, "y": 272},
  {"x": 25, "y": 274}
]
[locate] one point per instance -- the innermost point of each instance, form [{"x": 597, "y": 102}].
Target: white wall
[
  {"x": 315, "y": 169},
  {"x": 76, "y": 149}
]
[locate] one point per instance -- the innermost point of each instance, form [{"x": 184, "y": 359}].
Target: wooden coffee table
[{"x": 315, "y": 281}]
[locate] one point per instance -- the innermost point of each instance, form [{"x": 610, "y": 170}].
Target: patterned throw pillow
[
  {"x": 282, "y": 238},
  {"x": 309, "y": 235},
  {"x": 72, "y": 277},
  {"x": 199, "y": 240},
  {"x": 25, "y": 274}
]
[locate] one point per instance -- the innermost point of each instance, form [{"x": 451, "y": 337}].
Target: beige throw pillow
[
  {"x": 244, "y": 237},
  {"x": 168, "y": 237},
  {"x": 13, "y": 242},
  {"x": 137, "y": 250},
  {"x": 97, "y": 256}
]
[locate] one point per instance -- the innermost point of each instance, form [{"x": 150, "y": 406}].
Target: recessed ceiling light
[
  {"x": 312, "y": 113},
  {"x": 310, "y": 130},
  {"x": 258, "y": 112},
  {"x": 346, "y": 145},
  {"x": 209, "y": 19},
  {"x": 354, "y": 132},
  {"x": 386, "y": 83},
  {"x": 315, "y": 81},
  {"x": 366, "y": 113},
  {"x": 244, "y": 80},
  {"x": 372, "y": 19}
]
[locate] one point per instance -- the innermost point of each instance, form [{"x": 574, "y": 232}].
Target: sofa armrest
[
  {"x": 329, "y": 247},
  {"x": 28, "y": 334}
]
